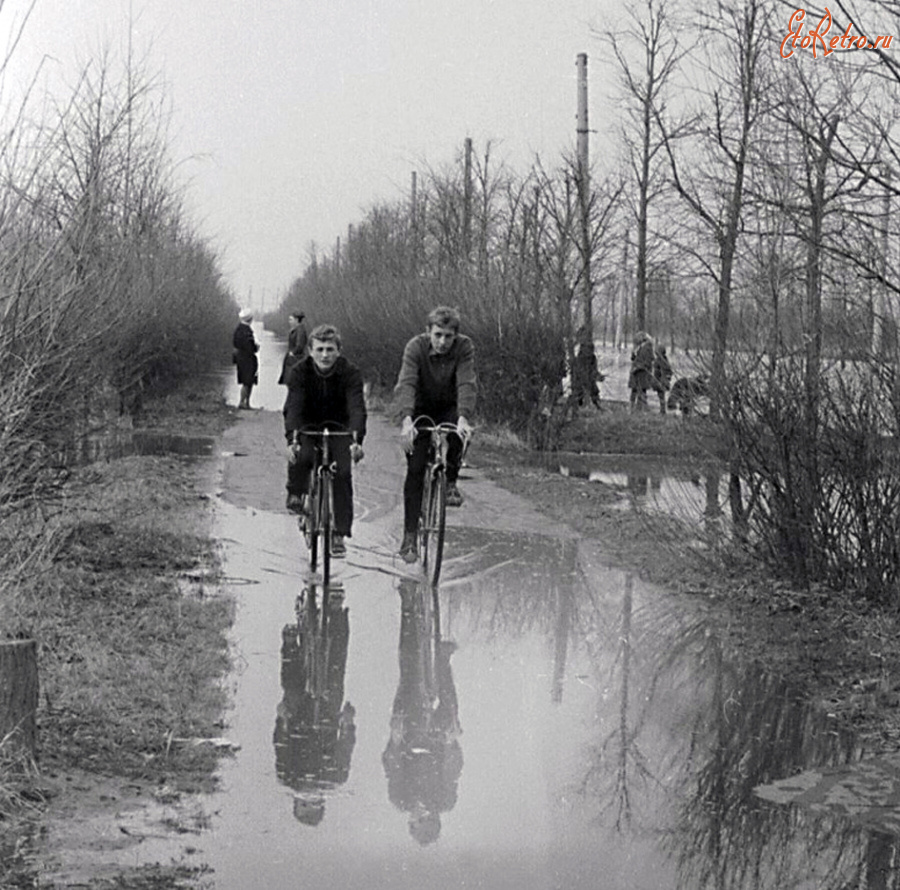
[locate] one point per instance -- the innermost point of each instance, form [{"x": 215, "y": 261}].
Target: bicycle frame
[{"x": 320, "y": 516}]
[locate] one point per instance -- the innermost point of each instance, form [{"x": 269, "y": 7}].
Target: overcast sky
[{"x": 296, "y": 115}]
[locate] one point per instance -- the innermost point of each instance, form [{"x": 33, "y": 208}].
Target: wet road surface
[{"x": 542, "y": 720}]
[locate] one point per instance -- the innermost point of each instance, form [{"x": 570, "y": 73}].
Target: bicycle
[
  {"x": 433, "y": 516},
  {"x": 318, "y": 519}
]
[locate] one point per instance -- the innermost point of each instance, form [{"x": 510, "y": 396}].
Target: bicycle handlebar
[{"x": 324, "y": 430}]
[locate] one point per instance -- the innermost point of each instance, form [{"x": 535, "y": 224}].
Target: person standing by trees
[
  {"x": 244, "y": 356},
  {"x": 641, "y": 377},
  {"x": 662, "y": 376},
  {"x": 325, "y": 388},
  {"x": 297, "y": 340},
  {"x": 586, "y": 377},
  {"x": 437, "y": 380}
]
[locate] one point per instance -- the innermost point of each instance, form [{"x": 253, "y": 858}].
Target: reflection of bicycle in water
[
  {"x": 314, "y": 727},
  {"x": 423, "y": 759}
]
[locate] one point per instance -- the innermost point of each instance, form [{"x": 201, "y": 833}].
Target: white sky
[{"x": 296, "y": 115}]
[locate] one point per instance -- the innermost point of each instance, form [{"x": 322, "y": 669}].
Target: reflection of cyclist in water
[
  {"x": 314, "y": 727},
  {"x": 423, "y": 758}
]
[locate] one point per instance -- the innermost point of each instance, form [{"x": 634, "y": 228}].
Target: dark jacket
[
  {"x": 434, "y": 384},
  {"x": 296, "y": 351},
  {"x": 662, "y": 370},
  {"x": 314, "y": 399},
  {"x": 641, "y": 376},
  {"x": 245, "y": 349}
]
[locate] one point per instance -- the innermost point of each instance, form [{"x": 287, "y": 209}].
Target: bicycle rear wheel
[{"x": 435, "y": 523}]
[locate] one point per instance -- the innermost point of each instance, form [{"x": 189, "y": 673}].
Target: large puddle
[{"x": 540, "y": 721}]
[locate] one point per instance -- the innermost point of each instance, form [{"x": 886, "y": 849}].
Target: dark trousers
[
  {"x": 415, "y": 470},
  {"x": 298, "y": 477}
]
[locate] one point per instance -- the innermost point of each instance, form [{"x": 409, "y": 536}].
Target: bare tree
[
  {"x": 737, "y": 38},
  {"x": 648, "y": 53}
]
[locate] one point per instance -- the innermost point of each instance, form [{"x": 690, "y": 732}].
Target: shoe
[
  {"x": 409, "y": 549},
  {"x": 294, "y": 503},
  {"x": 338, "y": 547},
  {"x": 454, "y": 498}
]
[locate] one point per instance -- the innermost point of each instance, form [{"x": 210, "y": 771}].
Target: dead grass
[
  {"x": 615, "y": 430},
  {"x": 128, "y": 660}
]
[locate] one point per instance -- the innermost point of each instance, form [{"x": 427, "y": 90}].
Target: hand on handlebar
[
  {"x": 407, "y": 435},
  {"x": 464, "y": 429},
  {"x": 356, "y": 452}
]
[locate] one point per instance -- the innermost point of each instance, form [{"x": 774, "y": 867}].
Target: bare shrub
[{"x": 821, "y": 495}]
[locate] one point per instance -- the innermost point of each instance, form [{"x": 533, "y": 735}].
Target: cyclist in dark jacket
[
  {"x": 437, "y": 379},
  {"x": 325, "y": 388}
]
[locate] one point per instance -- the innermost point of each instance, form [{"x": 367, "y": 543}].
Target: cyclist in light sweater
[{"x": 437, "y": 379}]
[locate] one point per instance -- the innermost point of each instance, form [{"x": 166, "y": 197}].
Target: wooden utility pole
[
  {"x": 467, "y": 201},
  {"x": 413, "y": 226},
  {"x": 584, "y": 196}
]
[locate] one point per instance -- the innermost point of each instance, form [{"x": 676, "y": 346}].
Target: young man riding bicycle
[
  {"x": 437, "y": 380},
  {"x": 324, "y": 388}
]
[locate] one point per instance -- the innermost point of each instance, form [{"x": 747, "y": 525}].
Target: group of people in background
[
  {"x": 436, "y": 380},
  {"x": 650, "y": 370}
]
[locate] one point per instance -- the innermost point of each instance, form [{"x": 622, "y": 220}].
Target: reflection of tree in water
[
  {"x": 641, "y": 650},
  {"x": 687, "y": 733},
  {"x": 423, "y": 758},
  {"x": 754, "y": 730},
  {"x": 506, "y": 582},
  {"x": 314, "y": 727}
]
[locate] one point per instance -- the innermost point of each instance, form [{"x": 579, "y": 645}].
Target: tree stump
[{"x": 18, "y": 700}]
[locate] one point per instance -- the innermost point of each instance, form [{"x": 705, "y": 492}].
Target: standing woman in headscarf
[{"x": 245, "y": 349}]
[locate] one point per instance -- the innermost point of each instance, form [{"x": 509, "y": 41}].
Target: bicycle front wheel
[
  {"x": 326, "y": 498},
  {"x": 435, "y": 525},
  {"x": 313, "y": 520}
]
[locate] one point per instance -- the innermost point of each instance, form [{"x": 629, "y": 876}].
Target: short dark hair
[
  {"x": 325, "y": 333},
  {"x": 444, "y": 317},
  {"x": 296, "y": 313}
]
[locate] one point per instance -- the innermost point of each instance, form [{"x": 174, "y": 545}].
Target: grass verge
[{"x": 124, "y": 602}]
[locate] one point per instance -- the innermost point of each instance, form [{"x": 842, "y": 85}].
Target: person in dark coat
[
  {"x": 244, "y": 356},
  {"x": 297, "y": 340},
  {"x": 686, "y": 391},
  {"x": 641, "y": 377},
  {"x": 662, "y": 376},
  {"x": 315, "y": 727},
  {"x": 325, "y": 388},
  {"x": 586, "y": 377}
]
